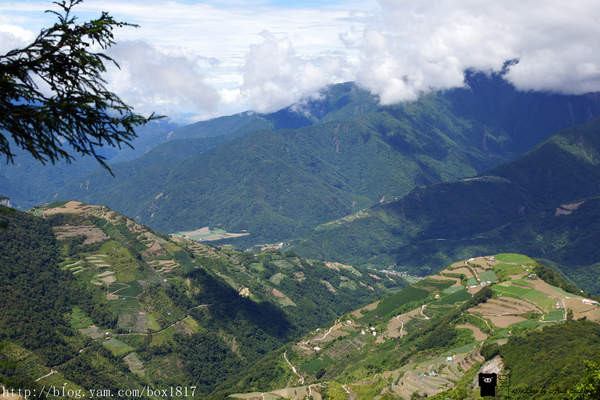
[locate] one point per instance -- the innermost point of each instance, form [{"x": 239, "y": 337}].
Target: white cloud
[
  {"x": 13, "y": 36},
  {"x": 153, "y": 81},
  {"x": 420, "y": 46},
  {"x": 275, "y": 76},
  {"x": 211, "y": 58},
  {"x": 8, "y": 42}
]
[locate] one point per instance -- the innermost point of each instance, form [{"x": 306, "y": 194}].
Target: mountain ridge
[{"x": 279, "y": 184}]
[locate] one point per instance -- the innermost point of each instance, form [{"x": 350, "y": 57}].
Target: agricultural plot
[
  {"x": 504, "y": 271},
  {"x": 151, "y": 322},
  {"x": 105, "y": 278},
  {"x": 459, "y": 295},
  {"x": 434, "y": 375},
  {"x": 463, "y": 271},
  {"x": 132, "y": 322},
  {"x": 116, "y": 286},
  {"x": 117, "y": 347},
  {"x": 206, "y": 234},
  {"x": 135, "y": 364},
  {"x": 259, "y": 267},
  {"x": 514, "y": 258},
  {"x": 92, "y": 331},
  {"x": 79, "y": 319},
  {"x": 283, "y": 264},
  {"x": 124, "y": 305},
  {"x": 478, "y": 335},
  {"x": 503, "y": 311},
  {"x": 130, "y": 289},
  {"x": 316, "y": 364},
  {"x": 581, "y": 309},
  {"x": 452, "y": 289},
  {"x": 277, "y": 278},
  {"x": 397, "y": 326},
  {"x": 511, "y": 290},
  {"x": 488, "y": 276},
  {"x": 528, "y": 324},
  {"x": 164, "y": 266},
  {"x": 73, "y": 266},
  {"x": 91, "y": 233},
  {"x": 542, "y": 300},
  {"x": 407, "y": 295},
  {"x": 121, "y": 261},
  {"x": 554, "y": 316}
]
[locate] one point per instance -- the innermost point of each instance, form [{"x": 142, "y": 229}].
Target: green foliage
[
  {"x": 206, "y": 358},
  {"x": 76, "y": 111},
  {"x": 34, "y": 293},
  {"x": 490, "y": 350},
  {"x": 555, "y": 279},
  {"x": 480, "y": 297},
  {"x": 460, "y": 295},
  {"x": 443, "y": 335},
  {"x": 588, "y": 387},
  {"x": 281, "y": 183},
  {"x": 551, "y": 360},
  {"x": 390, "y": 304}
]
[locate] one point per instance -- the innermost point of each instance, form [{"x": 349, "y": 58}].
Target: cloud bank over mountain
[
  {"x": 198, "y": 60},
  {"x": 420, "y": 46}
]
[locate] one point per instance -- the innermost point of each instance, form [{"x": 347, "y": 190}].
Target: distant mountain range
[
  {"x": 279, "y": 175},
  {"x": 416, "y": 184}
]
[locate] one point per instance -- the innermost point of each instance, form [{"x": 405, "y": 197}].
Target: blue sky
[{"x": 195, "y": 60}]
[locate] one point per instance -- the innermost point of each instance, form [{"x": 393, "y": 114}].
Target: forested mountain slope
[
  {"x": 94, "y": 299},
  {"x": 544, "y": 203}
]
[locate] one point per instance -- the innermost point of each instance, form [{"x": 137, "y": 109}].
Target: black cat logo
[{"x": 487, "y": 384}]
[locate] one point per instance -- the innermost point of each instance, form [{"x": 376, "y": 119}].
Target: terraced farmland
[{"x": 380, "y": 349}]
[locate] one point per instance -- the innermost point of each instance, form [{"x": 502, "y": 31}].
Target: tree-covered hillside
[
  {"x": 94, "y": 299},
  {"x": 544, "y": 203}
]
